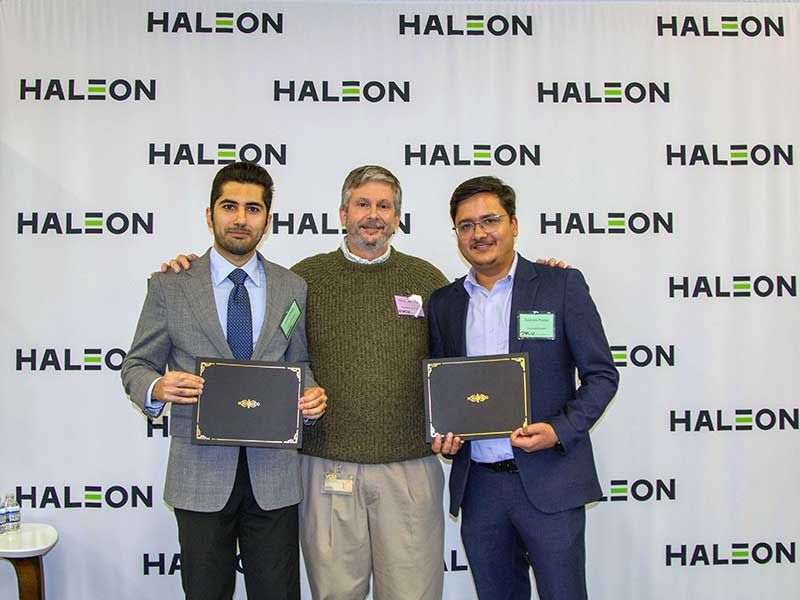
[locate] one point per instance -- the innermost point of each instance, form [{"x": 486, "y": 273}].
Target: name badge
[
  {"x": 536, "y": 325},
  {"x": 410, "y": 306},
  {"x": 338, "y": 484},
  {"x": 290, "y": 319}
]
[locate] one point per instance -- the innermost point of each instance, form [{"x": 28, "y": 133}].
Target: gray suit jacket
[{"x": 178, "y": 323}]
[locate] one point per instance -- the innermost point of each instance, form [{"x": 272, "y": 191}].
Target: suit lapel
[
  {"x": 458, "y": 331},
  {"x": 200, "y": 296},
  {"x": 523, "y": 297},
  {"x": 278, "y": 298}
]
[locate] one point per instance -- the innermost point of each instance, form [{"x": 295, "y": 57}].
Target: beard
[
  {"x": 239, "y": 247},
  {"x": 357, "y": 235}
]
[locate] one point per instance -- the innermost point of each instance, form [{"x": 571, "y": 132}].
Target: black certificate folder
[
  {"x": 479, "y": 397},
  {"x": 248, "y": 403}
]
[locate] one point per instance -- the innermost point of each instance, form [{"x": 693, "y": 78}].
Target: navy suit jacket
[{"x": 554, "y": 479}]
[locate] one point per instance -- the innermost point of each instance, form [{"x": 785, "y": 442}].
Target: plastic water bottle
[
  {"x": 3, "y": 519},
  {"x": 12, "y": 512}
]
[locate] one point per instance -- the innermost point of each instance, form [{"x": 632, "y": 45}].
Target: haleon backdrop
[{"x": 653, "y": 145}]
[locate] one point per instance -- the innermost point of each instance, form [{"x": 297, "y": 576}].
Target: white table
[{"x": 24, "y": 548}]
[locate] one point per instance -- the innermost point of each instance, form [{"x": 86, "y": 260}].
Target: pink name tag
[{"x": 410, "y": 306}]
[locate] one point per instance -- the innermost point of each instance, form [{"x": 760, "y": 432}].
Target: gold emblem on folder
[
  {"x": 477, "y": 398},
  {"x": 248, "y": 403}
]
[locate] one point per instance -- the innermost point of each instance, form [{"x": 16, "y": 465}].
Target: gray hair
[{"x": 361, "y": 175}]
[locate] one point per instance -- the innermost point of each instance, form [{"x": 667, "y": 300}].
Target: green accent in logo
[
  {"x": 351, "y": 91},
  {"x": 616, "y": 223},
  {"x": 93, "y": 223},
  {"x": 738, "y": 154},
  {"x": 739, "y": 553},
  {"x": 744, "y": 419},
  {"x": 100, "y": 89},
  {"x": 619, "y": 490},
  {"x": 741, "y": 286},
  {"x": 474, "y": 24},
  {"x": 482, "y": 155},
  {"x": 89, "y": 496},
  {"x": 226, "y": 154},
  {"x": 730, "y": 26},
  {"x": 620, "y": 356},
  {"x": 614, "y": 92},
  {"x": 91, "y": 359},
  {"x": 224, "y": 22}
]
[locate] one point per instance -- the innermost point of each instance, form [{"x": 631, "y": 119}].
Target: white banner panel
[{"x": 651, "y": 144}]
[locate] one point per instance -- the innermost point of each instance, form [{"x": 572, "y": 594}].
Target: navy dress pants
[{"x": 504, "y": 534}]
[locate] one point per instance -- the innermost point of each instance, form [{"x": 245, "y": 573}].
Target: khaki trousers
[{"x": 391, "y": 527}]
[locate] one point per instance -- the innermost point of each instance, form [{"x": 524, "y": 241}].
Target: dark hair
[
  {"x": 484, "y": 185},
  {"x": 242, "y": 172}
]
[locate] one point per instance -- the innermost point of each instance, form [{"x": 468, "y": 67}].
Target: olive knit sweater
[{"x": 368, "y": 359}]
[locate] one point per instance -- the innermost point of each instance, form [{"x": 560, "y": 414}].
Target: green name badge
[
  {"x": 290, "y": 319},
  {"x": 536, "y": 326}
]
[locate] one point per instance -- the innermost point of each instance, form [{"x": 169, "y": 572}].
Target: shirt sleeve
[{"x": 152, "y": 408}]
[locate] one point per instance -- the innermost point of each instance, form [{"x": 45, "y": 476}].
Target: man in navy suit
[{"x": 522, "y": 498}]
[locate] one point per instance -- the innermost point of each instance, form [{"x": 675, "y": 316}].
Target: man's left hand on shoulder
[
  {"x": 534, "y": 437},
  {"x": 552, "y": 262},
  {"x": 313, "y": 403}
]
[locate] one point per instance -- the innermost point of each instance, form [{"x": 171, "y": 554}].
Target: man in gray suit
[{"x": 231, "y": 304}]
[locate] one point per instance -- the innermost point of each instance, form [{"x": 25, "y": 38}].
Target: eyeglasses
[{"x": 489, "y": 224}]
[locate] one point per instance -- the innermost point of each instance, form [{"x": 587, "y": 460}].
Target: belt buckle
[{"x": 508, "y": 466}]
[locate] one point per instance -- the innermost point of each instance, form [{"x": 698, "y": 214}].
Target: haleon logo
[
  {"x": 219, "y": 22},
  {"x": 737, "y": 286},
  {"x": 740, "y": 419},
  {"x": 496, "y": 25},
  {"x": 319, "y": 223},
  {"x": 90, "y": 223},
  {"x": 86, "y": 496},
  {"x": 192, "y": 153},
  {"x": 161, "y": 563},
  {"x": 740, "y": 553},
  {"x": 735, "y": 155},
  {"x": 118, "y": 90},
  {"x": 67, "y": 359},
  {"x": 613, "y": 223},
  {"x": 159, "y": 424},
  {"x": 640, "y": 490},
  {"x": 644, "y": 356},
  {"x": 610, "y": 91},
  {"x": 457, "y": 562},
  {"x": 345, "y": 91},
  {"x": 731, "y": 26},
  {"x": 480, "y": 155}
]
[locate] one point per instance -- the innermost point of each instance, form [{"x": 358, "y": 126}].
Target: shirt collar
[
  {"x": 363, "y": 261},
  {"x": 471, "y": 282},
  {"x": 221, "y": 268}
]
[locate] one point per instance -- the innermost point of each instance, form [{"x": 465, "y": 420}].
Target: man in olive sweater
[
  {"x": 372, "y": 505},
  {"x": 373, "y": 490}
]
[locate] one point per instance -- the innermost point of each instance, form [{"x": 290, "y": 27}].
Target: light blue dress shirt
[
  {"x": 488, "y": 320},
  {"x": 256, "y": 284}
]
